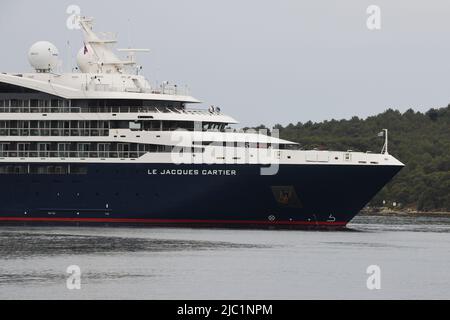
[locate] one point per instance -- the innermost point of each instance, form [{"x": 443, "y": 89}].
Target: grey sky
[{"x": 264, "y": 61}]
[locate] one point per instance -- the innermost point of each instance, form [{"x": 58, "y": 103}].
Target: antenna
[
  {"x": 129, "y": 32},
  {"x": 69, "y": 57},
  {"x": 386, "y": 141}
]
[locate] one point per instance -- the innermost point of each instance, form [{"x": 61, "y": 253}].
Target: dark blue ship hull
[{"x": 195, "y": 195}]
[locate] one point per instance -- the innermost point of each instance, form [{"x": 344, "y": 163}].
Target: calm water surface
[{"x": 156, "y": 263}]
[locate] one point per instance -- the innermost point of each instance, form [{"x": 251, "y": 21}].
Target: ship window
[
  {"x": 20, "y": 170},
  {"x": 135, "y": 126},
  {"x": 3, "y": 170},
  {"x": 61, "y": 170},
  {"x": 13, "y": 169},
  {"x": 78, "y": 170}
]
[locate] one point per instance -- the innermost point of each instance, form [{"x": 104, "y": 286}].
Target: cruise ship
[{"x": 101, "y": 144}]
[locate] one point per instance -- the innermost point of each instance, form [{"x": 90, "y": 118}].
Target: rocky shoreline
[{"x": 405, "y": 212}]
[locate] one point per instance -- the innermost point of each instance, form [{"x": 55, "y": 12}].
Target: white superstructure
[{"x": 107, "y": 112}]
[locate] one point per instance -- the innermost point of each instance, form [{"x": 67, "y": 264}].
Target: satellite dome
[
  {"x": 43, "y": 56},
  {"x": 86, "y": 60}
]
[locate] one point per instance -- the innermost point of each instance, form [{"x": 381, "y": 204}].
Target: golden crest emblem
[{"x": 286, "y": 196}]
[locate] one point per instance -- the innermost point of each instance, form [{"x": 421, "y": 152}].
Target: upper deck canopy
[{"x": 97, "y": 86}]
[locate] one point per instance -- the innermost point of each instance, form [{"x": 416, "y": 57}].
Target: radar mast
[{"x": 101, "y": 54}]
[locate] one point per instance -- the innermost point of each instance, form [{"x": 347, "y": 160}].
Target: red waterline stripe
[{"x": 173, "y": 221}]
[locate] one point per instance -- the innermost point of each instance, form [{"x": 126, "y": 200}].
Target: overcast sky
[{"x": 278, "y": 61}]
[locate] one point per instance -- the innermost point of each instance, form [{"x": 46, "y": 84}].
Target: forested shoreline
[{"x": 420, "y": 140}]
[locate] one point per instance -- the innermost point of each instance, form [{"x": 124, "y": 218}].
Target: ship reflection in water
[{"x": 155, "y": 263}]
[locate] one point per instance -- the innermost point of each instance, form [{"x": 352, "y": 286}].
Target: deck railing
[
  {"x": 73, "y": 154},
  {"x": 14, "y": 132},
  {"x": 120, "y": 109}
]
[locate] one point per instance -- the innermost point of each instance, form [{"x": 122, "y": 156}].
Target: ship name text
[{"x": 191, "y": 172}]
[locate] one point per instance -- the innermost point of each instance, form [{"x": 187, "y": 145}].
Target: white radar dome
[
  {"x": 87, "y": 61},
  {"x": 43, "y": 56}
]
